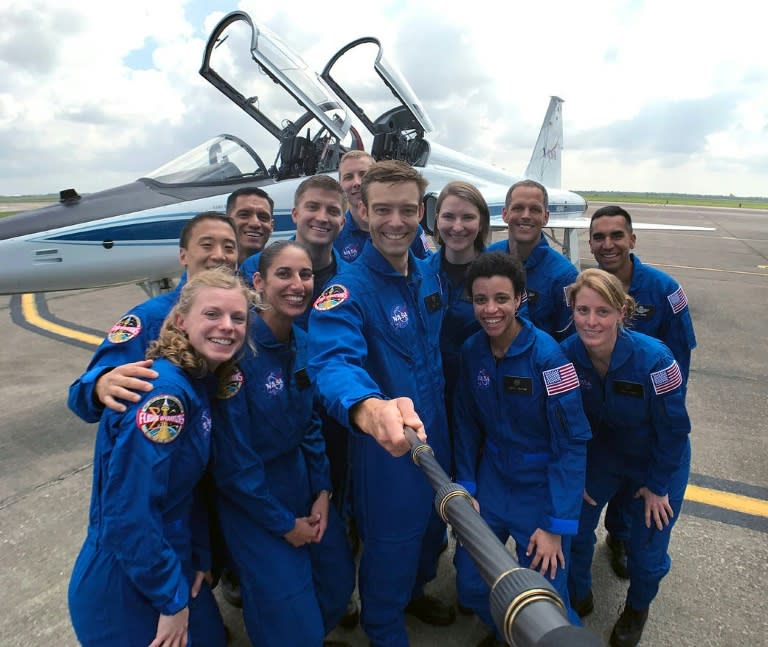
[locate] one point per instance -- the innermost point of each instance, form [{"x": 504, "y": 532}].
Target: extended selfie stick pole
[{"x": 526, "y": 609}]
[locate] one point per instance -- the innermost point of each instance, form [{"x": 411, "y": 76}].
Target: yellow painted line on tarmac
[
  {"x": 727, "y": 500},
  {"x": 29, "y": 310}
]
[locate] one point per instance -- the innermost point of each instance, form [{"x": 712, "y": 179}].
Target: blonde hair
[
  {"x": 608, "y": 287},
  {"x": 173, "y": 344},
  {"x": 355, "y": 154}
]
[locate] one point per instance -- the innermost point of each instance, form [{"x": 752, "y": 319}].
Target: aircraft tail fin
[{"x": 546, "y": 159}]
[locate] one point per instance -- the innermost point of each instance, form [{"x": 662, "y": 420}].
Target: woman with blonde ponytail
[{"x": 633, "y": 394}]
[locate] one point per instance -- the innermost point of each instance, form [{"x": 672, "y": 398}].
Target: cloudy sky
[{"x": 660, "y": 95}]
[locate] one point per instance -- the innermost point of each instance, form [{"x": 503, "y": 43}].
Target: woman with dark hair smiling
[
  {"x": 521, "y": 434},
  {"x": 287, "y": 543}
]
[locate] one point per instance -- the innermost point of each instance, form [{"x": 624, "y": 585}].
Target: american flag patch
[
  {"x": 667, "y": 379},
  {"x": 524, "y": 297},
  {"x": 560, "y": 379},
  {"x": 678, "y": 300}
]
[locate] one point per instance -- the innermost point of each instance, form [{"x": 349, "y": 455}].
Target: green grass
[
  {"x": 676, "y": 198},
  {"x": 21, "y": 199}
]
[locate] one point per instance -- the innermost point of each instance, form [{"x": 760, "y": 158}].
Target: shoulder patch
[
  {"x": 230, "y": 386},
  {"x": 332, "y": 296},
  {"x": 161, "y": 419},
  {"x": 678, "y": 300},
  {"x": 125, "y": 329},
  {"x": 560, "y": 379},
  {"x": 667, "y": 379}
]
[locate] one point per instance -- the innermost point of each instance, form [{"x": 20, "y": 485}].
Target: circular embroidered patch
[
  {"x": 331, "y": 297},
  {"x": 127, "y": 328},
  {"x": 230, "y": 387},
  {"x": 161, "y": 418}
]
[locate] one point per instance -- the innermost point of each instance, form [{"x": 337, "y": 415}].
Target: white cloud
[{"x": 659, "y": 96}]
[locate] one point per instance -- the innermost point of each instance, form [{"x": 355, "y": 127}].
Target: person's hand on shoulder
[{"x": 125, "y": 382}]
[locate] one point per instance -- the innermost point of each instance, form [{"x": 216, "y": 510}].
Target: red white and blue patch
[
  {"x": 125, "y": 329},
  {"x": 332, "y": 296},
  {"x": 560, "y": 379},
  {"x": 678, "y": 300},
  {"x": 231, "y": 385},
  {"x": 161, "y": 419},
  {"x": 667, "y": 379}
]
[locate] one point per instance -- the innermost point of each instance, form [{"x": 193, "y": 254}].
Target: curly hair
[{"x": 173, "y": 344}]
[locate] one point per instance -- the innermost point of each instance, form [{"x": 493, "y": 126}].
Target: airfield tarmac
[{"x": 715, "y": 593}]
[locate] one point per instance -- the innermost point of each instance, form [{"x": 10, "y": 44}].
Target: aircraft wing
[{"x": 583, "y": 223}]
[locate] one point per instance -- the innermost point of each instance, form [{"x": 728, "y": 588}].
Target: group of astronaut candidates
[{"x": 230, "y": 417}]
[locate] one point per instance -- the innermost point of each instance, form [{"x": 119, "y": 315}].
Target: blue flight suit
[
  {"x": 459, "y": 323},
  {"x": 147, "y": 533},
  {"x": 521, "y": 446},
  {"x": 662, "y": 312},
  {"x": 127, "y": 341},
  {"x": 248, "y": 268},
  {"x": 547, "y": 276},
  {"x": 269, "y": 464},
  {"x": 334, "y": 433},
  {"x": 251, "y": 265},
  {"x": 376, "y": 333},
  {"x": 640, "y": 430},
  {"x": 352, "y": 239}
]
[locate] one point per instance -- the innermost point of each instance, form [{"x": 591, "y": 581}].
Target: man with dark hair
[
  {"x": 251, "y": 210},
  {"x": 548, "y": 273},
  {"x": 374, "y": 343},
  {"x": 118, "y": 368},
  {"x": 662, "y": 312}
]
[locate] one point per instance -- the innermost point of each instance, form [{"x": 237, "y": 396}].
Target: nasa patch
[
  {"x": 161, "y": 419},
  {"x": 231, "y": 385},
  {"x": 399, "y": 316},
  {"x": 127, "y": 328},
  {"x": 274, "y": 384},
  {"x": 331, "y": 297},
  {"x": 483, "y": 379},
  {"x": 350, "y": 252},
  {"x": 205, "y": 424}
]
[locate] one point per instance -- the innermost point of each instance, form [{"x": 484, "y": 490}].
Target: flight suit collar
[
  {"x": 373, "y": 259},
  {"x": 524, "y": 340}
]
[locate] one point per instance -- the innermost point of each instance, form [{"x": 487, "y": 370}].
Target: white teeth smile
[
  {"x": 393, "y": 236},
  {"x": 221, "y": 341},
  {"x": 295, "y": 299},
  {"x": 492, "y": 322}
]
